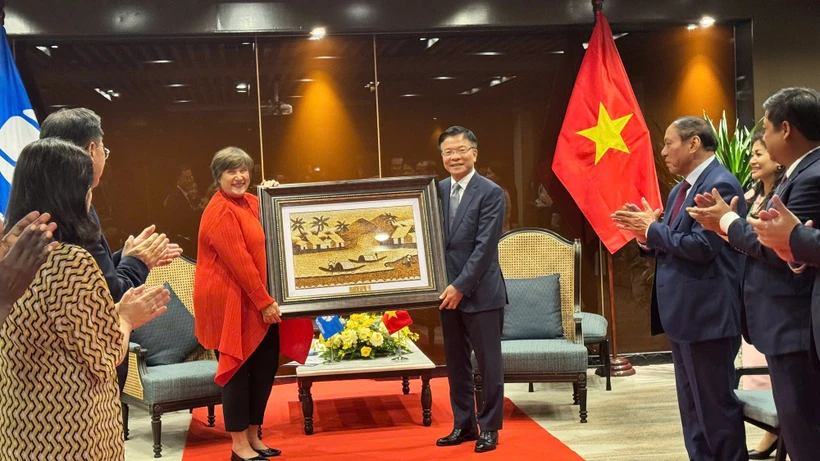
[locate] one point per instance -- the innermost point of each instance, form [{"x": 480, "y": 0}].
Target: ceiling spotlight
[
  {"x": 181, "y": 101},
  {"x": 54, "y": 47},
  {"x": 557, "y": 52},
  {"x": 423, "y": 39},
  {"x": 296, "y": 96},
  {"x": 160, "y": 61},
  {"x": 175, "y": 85},
  {"x": 59, "y": 106},
  {"x": 326, "y": 57},
  {"x": 410, "y": 95},
  {"x": 115, "y": 94},
  {"x": 246, "y": 43},
  {"x": 707, "y": 21},
  {"x": 318, "y": 33},
  {"x": 45, "y": 50},
  {"x": 305, "y": 80},
  {"x": 103, "y": 93},
  {"x": 691, "y": 27},
  {"x": 470, "y": 91},
  {"x": 241, "y": 86},
  {"x": 444, "y": 77},
  {"x": 317, "y": 169},
  {"x": 431, "y": 42},
  {"x": 488, "y": 53}
]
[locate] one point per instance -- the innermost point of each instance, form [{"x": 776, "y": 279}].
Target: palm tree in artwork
[
  {"x": 342, "y": 226},
  {"x": 319, "y": 223},
  {"x": 298, "y": 224},
  {"x": 391, "y": 218}
]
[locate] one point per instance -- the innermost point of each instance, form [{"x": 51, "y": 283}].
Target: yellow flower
[
  {"x": 364, "y": 333},
  {"x": 336, "y": 340},
  {"x": 376, "y": 339},
  {"x": 349, "y": 336},
  {"x": 366, "y": 351}
]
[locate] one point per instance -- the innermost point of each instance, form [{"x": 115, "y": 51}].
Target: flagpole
[{"x": 620, "y": 366}]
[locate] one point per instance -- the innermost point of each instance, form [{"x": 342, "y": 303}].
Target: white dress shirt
[{"x": 463, "y": 183}]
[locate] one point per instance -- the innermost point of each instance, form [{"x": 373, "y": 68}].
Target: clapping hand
[
  {"x": 140, "y": 305},
  {"x": 774, "y": 228},
  {"x": 710, "y": 208},
  {"x": 22, "y": 251},
  {"x": 636, "y": 220}
]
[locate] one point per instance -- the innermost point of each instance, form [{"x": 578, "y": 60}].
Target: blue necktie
[
  {"x": 454, "y": 202},
  {"x": 778, "y": 192}
]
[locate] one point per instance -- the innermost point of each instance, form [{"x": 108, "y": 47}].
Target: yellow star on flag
[
  {"x": 391, "y": 314},
  {"x": 607, "y": 134}
]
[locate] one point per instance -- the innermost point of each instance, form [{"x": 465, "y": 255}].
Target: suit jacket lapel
[
  {"x": 690, "y": 199},
  {"x": 466, "y": 198},
  {"x": 670, "y": 201},
  {"x": 444, "y": 191},
  {"x": 805, "y": 163}
]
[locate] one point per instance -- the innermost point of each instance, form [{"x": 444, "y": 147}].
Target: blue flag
[
  {"x": 329, "y": 326},
  {"x": 18, "y": 125}
]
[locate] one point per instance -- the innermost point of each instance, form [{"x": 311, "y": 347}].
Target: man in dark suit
[
  {"x": 777, "y": 298},
  {"x": 129, "y": 267},
  {"x": 472, "y": 310},
  {"x": 696, "y": 294}
]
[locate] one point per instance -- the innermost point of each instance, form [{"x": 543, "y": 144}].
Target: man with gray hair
[{"x": 128, "y": 267}]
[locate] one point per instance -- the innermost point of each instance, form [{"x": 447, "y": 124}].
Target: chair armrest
[
  {"x": 579, "y": 332},
  {"x": 749, "y": 371},
  {"x": 136, "y": 369}
]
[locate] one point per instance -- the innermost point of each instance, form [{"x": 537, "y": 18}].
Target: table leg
[
  {"x": 405, "y": 384},
  {"x": 426, "y": 399},
  {"x": 307, "y": 404}
]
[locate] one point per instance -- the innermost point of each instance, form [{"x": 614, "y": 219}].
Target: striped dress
[{"x": 58, "y": 350}]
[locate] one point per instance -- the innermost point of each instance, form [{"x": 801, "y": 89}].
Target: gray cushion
[
  {"x": 759, "y": 406},
  {"x": 534, "y": 309},
  {"x": 168, "y": 338},
  {"x": 181, "y": 381},
  {"x": 594, "y": 327},
  {"x": 542, "y": 356}
]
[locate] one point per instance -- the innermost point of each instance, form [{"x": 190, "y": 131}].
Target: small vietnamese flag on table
[{"x": 396, "y": 320}]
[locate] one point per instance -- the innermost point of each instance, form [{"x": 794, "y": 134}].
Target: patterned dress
[{"x": 58, "y": 350}]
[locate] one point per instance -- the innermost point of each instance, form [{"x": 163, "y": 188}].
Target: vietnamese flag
[
  {"x": 604, "y": 154},
  {"x": 396, "y": 320}
]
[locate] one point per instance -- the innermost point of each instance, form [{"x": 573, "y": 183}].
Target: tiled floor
[{"x": 636, "y": 421}]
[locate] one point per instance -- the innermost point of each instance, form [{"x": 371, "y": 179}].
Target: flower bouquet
[{"x": 364, "y": 337}]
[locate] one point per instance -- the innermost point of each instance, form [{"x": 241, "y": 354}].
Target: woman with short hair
[{"x": 235, "y": 315}]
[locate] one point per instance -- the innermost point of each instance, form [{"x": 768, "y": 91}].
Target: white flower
[
  {"x": 349, "y": 336},
  {"x": 376, "y": 339}
]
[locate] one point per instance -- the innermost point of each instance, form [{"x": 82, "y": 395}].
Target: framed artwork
[{"x": 354, "y": 246}]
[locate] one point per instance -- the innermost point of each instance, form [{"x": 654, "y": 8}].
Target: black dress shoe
[
  {"x": 269, "y": 452},
  {"x": 457, "y": 437},
  {"x": 235, "y": 457},
  {"x": 765, "y": 454},
  {"x": 487, "y": 441}
]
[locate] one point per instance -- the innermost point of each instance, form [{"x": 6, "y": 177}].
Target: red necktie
[{"x": 679, "y": 200}]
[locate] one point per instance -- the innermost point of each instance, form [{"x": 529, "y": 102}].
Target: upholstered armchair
[
  {"x": 759, "y": 409},
  {"x": 542, "y": 339},
  {"x": 168, "y": 369}
]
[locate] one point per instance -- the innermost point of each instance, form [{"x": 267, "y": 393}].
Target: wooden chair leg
[
  {"x": 156, "y": 429},
  {"x": 479, "y": 392},
  {"x": 607, "y": 361},
  {"x": 211, "y": 416},
  {"x": 124, "y": 420},
  {"x": 582, "y": 394},
  {"x": 532, "y": 388},
  {"x": 575, "y": 400}
]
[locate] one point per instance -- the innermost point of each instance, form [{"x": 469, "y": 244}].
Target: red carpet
[{"x": 372, "y": 420}]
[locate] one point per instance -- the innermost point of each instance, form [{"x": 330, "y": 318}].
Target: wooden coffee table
[{"x": 417, "y": 364}]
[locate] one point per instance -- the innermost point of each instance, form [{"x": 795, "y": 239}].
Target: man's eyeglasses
[
  {"x": 107, "y": 152},
  {"x": 459, "y": 151}
]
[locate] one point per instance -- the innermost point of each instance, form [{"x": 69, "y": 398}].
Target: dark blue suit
[
  {"x": 471, "y": 253},
  {"x": 121, "y": 274},
  {"x": 777, "y": 307},
  {"x": 696, "y": 301},
  {"x": 805, "y": 245}
]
